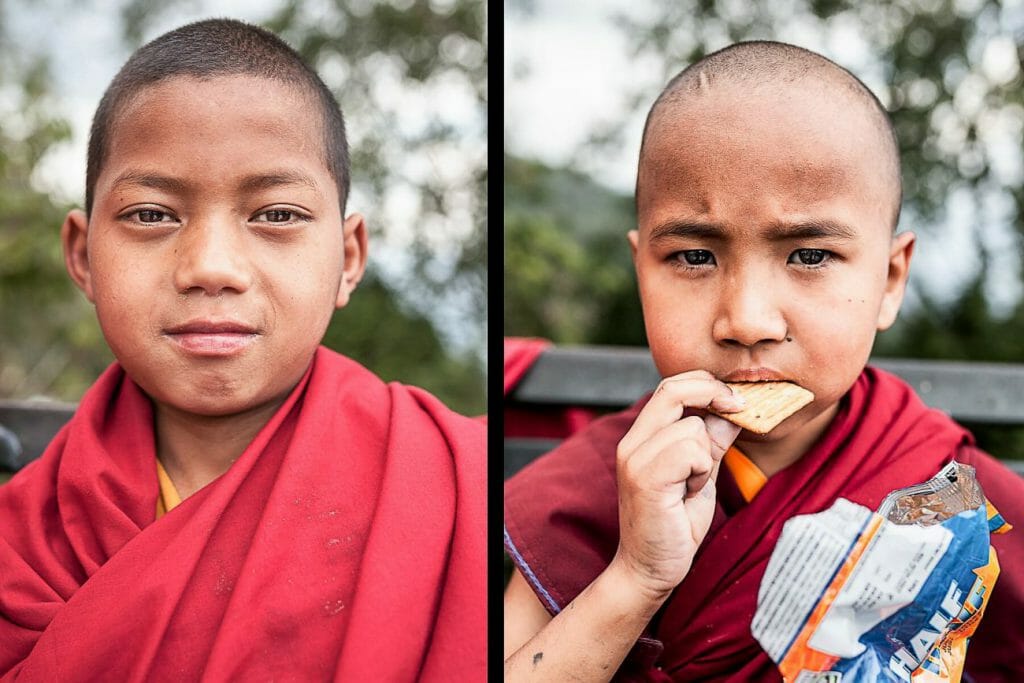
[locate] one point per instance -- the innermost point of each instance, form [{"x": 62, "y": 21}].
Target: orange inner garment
[
  {"x": 748, "y": 477},
  {"x": 168, "y": 498}
]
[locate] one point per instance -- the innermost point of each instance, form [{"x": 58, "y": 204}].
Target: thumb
[
  {"x": 701, "y": 510},
  {"x": 722, "y": 433}
]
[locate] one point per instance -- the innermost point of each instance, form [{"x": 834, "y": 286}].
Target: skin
[
  {"x": 215, "y": 205},
  {"x": 741, "y": 279}
]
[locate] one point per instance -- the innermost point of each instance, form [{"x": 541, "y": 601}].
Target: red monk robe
[
  {"x": 346, "y": 543},
  {"x": 562, "y": 530}
]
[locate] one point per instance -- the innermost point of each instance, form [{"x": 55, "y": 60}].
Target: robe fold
[
  {"x": 347, "y": 542},
  {"x": 561, "y": 529}
]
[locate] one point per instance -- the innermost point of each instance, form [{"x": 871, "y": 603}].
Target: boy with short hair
[
  {"x": 232, "y": 501},
  {"x": 768, "y": 192}
]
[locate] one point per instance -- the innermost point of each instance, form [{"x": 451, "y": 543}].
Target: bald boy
[{"x": 768, "y": 193}]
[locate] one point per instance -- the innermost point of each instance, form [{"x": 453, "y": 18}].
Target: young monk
[
  {"x": 768, "y": 192},
  {"x": 232, "y": 501}
]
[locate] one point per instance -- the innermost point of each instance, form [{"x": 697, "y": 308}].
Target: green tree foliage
[
  {"x": 568, "y": 272},
  {"x": 384, "y": 60},
  {"x": 400, "y": 344},
  {"x": 49, "y": 339}
]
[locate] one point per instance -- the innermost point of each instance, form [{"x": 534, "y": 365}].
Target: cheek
[
  {"x": 125, "y": 292},
  {"x": 304, "y": 284},
  {"x": 835, "y": 343},
  {"x": 677, "y": 322}
]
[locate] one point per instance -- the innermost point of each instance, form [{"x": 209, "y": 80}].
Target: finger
[
  {"x": 671, "y": 436},
  {"x": 700, "y": 484},
  {"x": 697, "y": 389},
  {"x": 710, "y": 434},
  {"x": 673, "y": 396},
  {"x": 721, "y": 434},
  {"x": 669, "y": 469},
  {"x": 700, "y": 509}
]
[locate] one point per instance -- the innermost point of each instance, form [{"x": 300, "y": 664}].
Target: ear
[
  {"x": 896, "y": 280},
  {"x": 354, "y": 230},
  {"x": 76, "y": 252},
  {"x": 634, "y": 240}
]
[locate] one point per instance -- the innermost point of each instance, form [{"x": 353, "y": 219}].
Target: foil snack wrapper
[{"x": 852, "y": 595}]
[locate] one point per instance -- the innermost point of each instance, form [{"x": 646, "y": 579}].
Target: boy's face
[
  {"x": 216, "y": 251},
  {"x": 764, "y": 247}
]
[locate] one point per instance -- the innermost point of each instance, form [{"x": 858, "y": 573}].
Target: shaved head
[{"x": 752, "y": 73}]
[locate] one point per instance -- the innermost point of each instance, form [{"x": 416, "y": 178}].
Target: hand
[{"x": 666, "y": 469}]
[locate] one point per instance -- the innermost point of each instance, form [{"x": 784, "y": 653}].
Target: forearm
[{"x": 587, "y": 640}]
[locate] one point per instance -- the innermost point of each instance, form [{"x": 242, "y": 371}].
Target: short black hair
[
  {"x": 206, "y": 49},
  {"x": 756, "y": 62}
]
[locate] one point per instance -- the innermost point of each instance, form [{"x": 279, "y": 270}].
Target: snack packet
[{"x": 894, "y": 595}]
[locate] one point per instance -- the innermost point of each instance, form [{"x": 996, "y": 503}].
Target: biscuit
[{"x": 768, "y": 404}]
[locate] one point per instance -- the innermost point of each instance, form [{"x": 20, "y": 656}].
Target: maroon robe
[{"x": 561, "y": 521}]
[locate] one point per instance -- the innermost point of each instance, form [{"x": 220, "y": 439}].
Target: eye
[
  {"x": 810, "y": 257},
  {"x": 695, "y": 257},
  {"x": 279, "y": 217},
  {"x": 148, "y": 217},
  {"x": 276, "y": 216},
  {"x": 151, "y": 216}
]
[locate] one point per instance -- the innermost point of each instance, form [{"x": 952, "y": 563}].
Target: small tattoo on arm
[{"x": 537, "y": 657}]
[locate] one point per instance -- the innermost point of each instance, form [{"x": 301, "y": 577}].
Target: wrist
[{"x": 628, "y": 583}]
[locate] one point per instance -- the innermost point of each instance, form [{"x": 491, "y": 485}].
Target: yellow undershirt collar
[
  {"x": 748, "y": 477},
  {"x": 168, "y": 498}
]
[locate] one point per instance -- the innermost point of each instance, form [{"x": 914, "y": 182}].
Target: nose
[
  {"x": 211, "y": 258},
  {"x": 749, "y": 311}
]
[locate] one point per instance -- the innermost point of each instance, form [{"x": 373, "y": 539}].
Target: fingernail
[{"x": 738, "y": 398}]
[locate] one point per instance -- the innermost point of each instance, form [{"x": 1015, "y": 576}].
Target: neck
[
  {"x": 775, "y": 455},
  {"x": 196, "y": 449}
]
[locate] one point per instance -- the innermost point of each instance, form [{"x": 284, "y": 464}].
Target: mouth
[
  {"x": 212, "y": 338},
  {"x": 755, "y": 375}
]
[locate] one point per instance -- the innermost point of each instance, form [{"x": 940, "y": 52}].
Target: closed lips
[{"x": 211, "y": 327}]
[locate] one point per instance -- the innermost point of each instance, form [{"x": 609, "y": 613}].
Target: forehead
[
  {"x": 185, "y": 124},
  {"x": 789, "y": 150}
]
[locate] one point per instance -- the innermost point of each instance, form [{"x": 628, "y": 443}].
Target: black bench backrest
[
  {"x": 614, "y": 377},
  {"x": 26, "y": 427}
]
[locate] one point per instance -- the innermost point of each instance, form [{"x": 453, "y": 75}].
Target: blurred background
[
  {"x": 411, "y": 77},
  {"x": 580, "y": 76}
]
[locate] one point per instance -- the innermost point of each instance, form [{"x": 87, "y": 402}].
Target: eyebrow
[
  {"x": 155, "y": 181},
  {"x": 266, "y": 181},
  {"x": 686, "y": 229},
  {"x": 811, "y": 229},
  {"x": 250, "y": 183},
  {"x": 775, "y": 232}
]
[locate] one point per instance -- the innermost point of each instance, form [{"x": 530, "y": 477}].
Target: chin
[
  {"x": 209, "y": 406},
  {"x": 205, "y": 401}
]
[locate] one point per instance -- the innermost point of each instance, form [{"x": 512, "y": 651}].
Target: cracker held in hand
[{"x": 768, "y": 404}]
